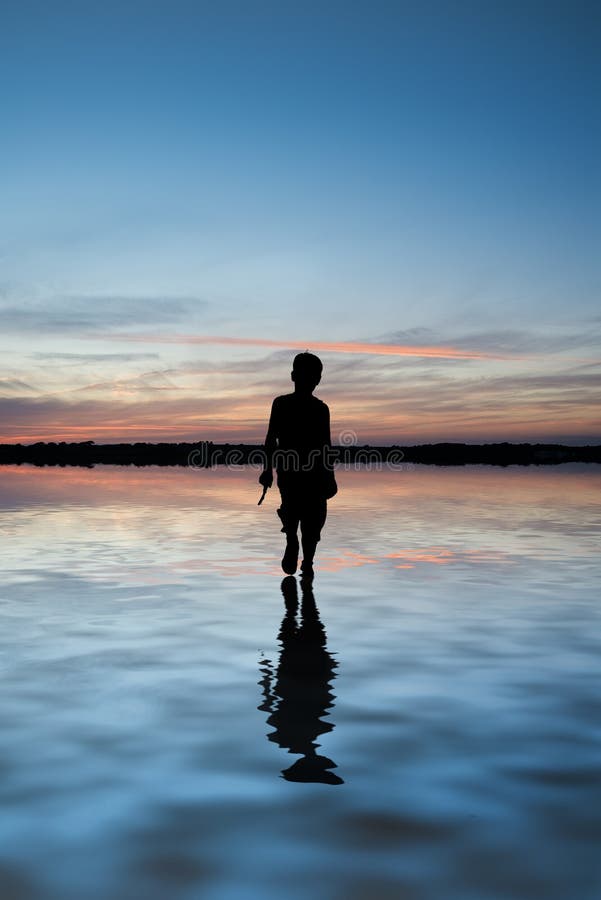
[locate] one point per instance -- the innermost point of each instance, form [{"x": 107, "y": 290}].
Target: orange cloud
[{"x": 328, "y": 346}]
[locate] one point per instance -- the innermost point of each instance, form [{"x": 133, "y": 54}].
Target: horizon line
[{"x": 477, "y": 443}]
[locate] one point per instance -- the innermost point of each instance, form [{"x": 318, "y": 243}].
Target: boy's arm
[
  {"x": 328, "y": 431},
  {"x": 266, "y": 476},
  {"x": 328, "y": 452},
  {"x": 329, "y": 459}
]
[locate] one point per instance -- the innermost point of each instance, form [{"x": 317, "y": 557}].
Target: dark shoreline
[{"x": 205, "y": 454}]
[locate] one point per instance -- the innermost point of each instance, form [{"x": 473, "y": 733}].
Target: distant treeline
[{"x": 206, "y": 454}]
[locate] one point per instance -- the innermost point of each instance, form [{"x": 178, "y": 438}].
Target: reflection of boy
[
  {"x": 298, "y": 695},
  {"x": 299, "y": 438}
]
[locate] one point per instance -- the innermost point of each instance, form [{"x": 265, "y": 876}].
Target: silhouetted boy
[{"x": 298, "y": 442}]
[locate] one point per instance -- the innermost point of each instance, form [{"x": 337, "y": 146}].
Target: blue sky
[{"x": 387, "y": 173}]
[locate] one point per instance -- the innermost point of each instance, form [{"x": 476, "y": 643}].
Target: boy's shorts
[{"x": 307, "y": 511}]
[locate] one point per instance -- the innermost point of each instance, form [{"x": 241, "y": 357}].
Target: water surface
[{"x": 424, "y": 724}]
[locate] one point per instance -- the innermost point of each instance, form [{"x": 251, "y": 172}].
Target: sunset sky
[{"x": 191, "y": 192}]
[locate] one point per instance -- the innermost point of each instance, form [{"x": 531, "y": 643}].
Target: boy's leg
[
  {"x": 312, "y": 520},
  {"x": 290, "y": 518}
]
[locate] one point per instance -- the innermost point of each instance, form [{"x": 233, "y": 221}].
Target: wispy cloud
[
  {"x": 219, "y": 404},
  {"x": 15, "y": 386},
  {"x": 504, "y": 342},
  {"x": 354, "y": 347},
  {"x": 494, "y": 344},
  {"x": 93, "y": 358},
  {"x": 93, "y": 313},
  {"x": 387, "y": 390}
]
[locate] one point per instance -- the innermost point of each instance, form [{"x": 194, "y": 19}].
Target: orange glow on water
[{"x": 420, "y": 519}]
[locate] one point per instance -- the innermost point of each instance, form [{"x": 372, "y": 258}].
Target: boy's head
[{"x": 306, "y": 371}]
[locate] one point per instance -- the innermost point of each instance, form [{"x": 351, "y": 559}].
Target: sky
[{"x": 193, "y": 192}]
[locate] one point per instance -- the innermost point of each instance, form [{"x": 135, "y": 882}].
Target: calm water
[{"x": 162, "y": 699}]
